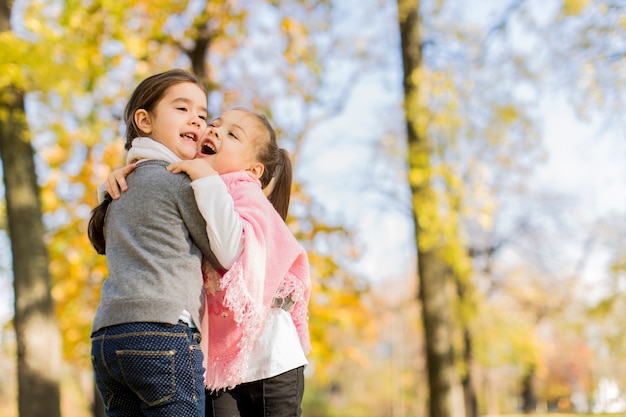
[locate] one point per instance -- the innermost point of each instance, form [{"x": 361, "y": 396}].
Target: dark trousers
[
  {"x": 279, "y": 396},
  {"x": 149, "y": 369}
]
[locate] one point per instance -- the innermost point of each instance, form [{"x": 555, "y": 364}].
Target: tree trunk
[
  {"x": 467, "y": 382},
  {"x": 38, "y": 338},
  {"x": 436, "y": 281},
  {"x": 529, "y": 399},
  {"x": 446, "y": 394},
  {"x": 469, "y": 392}
]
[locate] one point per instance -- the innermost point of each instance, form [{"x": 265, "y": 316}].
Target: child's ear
[
  {"x": 143, "y": 121},
  {"x": 256, "y": 170}
]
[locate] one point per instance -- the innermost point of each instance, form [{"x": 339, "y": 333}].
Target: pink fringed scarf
[{"x": 272, "y": 264}]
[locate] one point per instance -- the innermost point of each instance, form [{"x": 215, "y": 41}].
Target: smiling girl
[{"x": 146, "y": 350}]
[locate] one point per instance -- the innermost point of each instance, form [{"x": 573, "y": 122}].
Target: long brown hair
[{"x": 146, "y": 96}]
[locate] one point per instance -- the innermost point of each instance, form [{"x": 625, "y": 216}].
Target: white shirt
[{"x": 278, "y": 349}]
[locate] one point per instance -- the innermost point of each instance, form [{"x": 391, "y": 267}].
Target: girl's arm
[
  {"x": 223, "y": 224},
  {"x": 115, "y": 182}
]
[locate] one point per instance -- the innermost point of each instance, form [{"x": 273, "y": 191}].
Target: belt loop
[{"x": 286, "y": 303}]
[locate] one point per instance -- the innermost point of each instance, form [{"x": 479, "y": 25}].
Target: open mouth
[{"x": 207, "y": 149}]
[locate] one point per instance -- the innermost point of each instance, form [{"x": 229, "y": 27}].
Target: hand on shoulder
[{"x": 195, "y": 168}]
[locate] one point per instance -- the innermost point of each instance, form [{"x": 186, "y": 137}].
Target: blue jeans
[
  {"x": 279, "y": 396},
  {"x": 149, "y": 369}
]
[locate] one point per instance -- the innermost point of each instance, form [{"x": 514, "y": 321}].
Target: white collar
[{"x": 147, "y": 148}]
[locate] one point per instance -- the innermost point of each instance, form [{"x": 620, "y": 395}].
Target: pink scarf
[{"x": 272, "y": 264}]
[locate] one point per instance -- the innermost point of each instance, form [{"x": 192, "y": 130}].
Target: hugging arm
[
  {"x": 223, "y": 224},
  {"x": 115, "y": 184}
]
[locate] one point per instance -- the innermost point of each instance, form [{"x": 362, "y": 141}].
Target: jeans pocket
[{"x": 149, "y": 374}]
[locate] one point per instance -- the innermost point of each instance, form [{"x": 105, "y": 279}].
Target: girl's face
[
  {"x": 178, "y": 120},
  {"x": 231, "y": 141}
]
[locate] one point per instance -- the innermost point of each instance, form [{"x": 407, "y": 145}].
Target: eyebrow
[
  {"x": 188, "y": 101},
  {"x": 234, "y": 126}
]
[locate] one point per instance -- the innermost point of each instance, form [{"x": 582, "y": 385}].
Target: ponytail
[
  {"x": 281, "y": 190},
  {"x": 95, "y": 229}
]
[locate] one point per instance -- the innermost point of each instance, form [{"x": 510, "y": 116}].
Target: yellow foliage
[
  {"x": 418, "y": 176},
  {"x": 50, "y": 200},
  {"x": 505, "y": 337},
  {"x": 338, "y": 318},
  {"x": 507, "y": 114},
  {"x": 55, "y": 154},
  {"x": 297, "y": 40},
  {"x": 575, "y": 7}
]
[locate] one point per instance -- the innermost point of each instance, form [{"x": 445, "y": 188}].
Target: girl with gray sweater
[{"x": 146, "y": 350}]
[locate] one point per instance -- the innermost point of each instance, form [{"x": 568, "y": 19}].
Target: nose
[
  {"x": 213, "y": 132},
  {"x": 196, "y": 121}
]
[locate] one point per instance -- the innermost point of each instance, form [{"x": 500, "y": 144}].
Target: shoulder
[
  {"x": 152, "y": 162},
  {"x": 241, "y": 184},
  {"x": 239, "y": 179},
  {"x": 155, "y": 171}
]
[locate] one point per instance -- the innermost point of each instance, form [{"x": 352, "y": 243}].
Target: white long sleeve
[
  {"x": 101, "y": 192},
  {"x": 223, "y": 224}
]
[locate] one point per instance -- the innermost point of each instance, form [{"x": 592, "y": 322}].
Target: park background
[{"x": 496, "y": 161}]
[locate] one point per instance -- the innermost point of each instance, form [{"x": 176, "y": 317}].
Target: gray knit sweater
[{"x": 155, "y": 241}]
